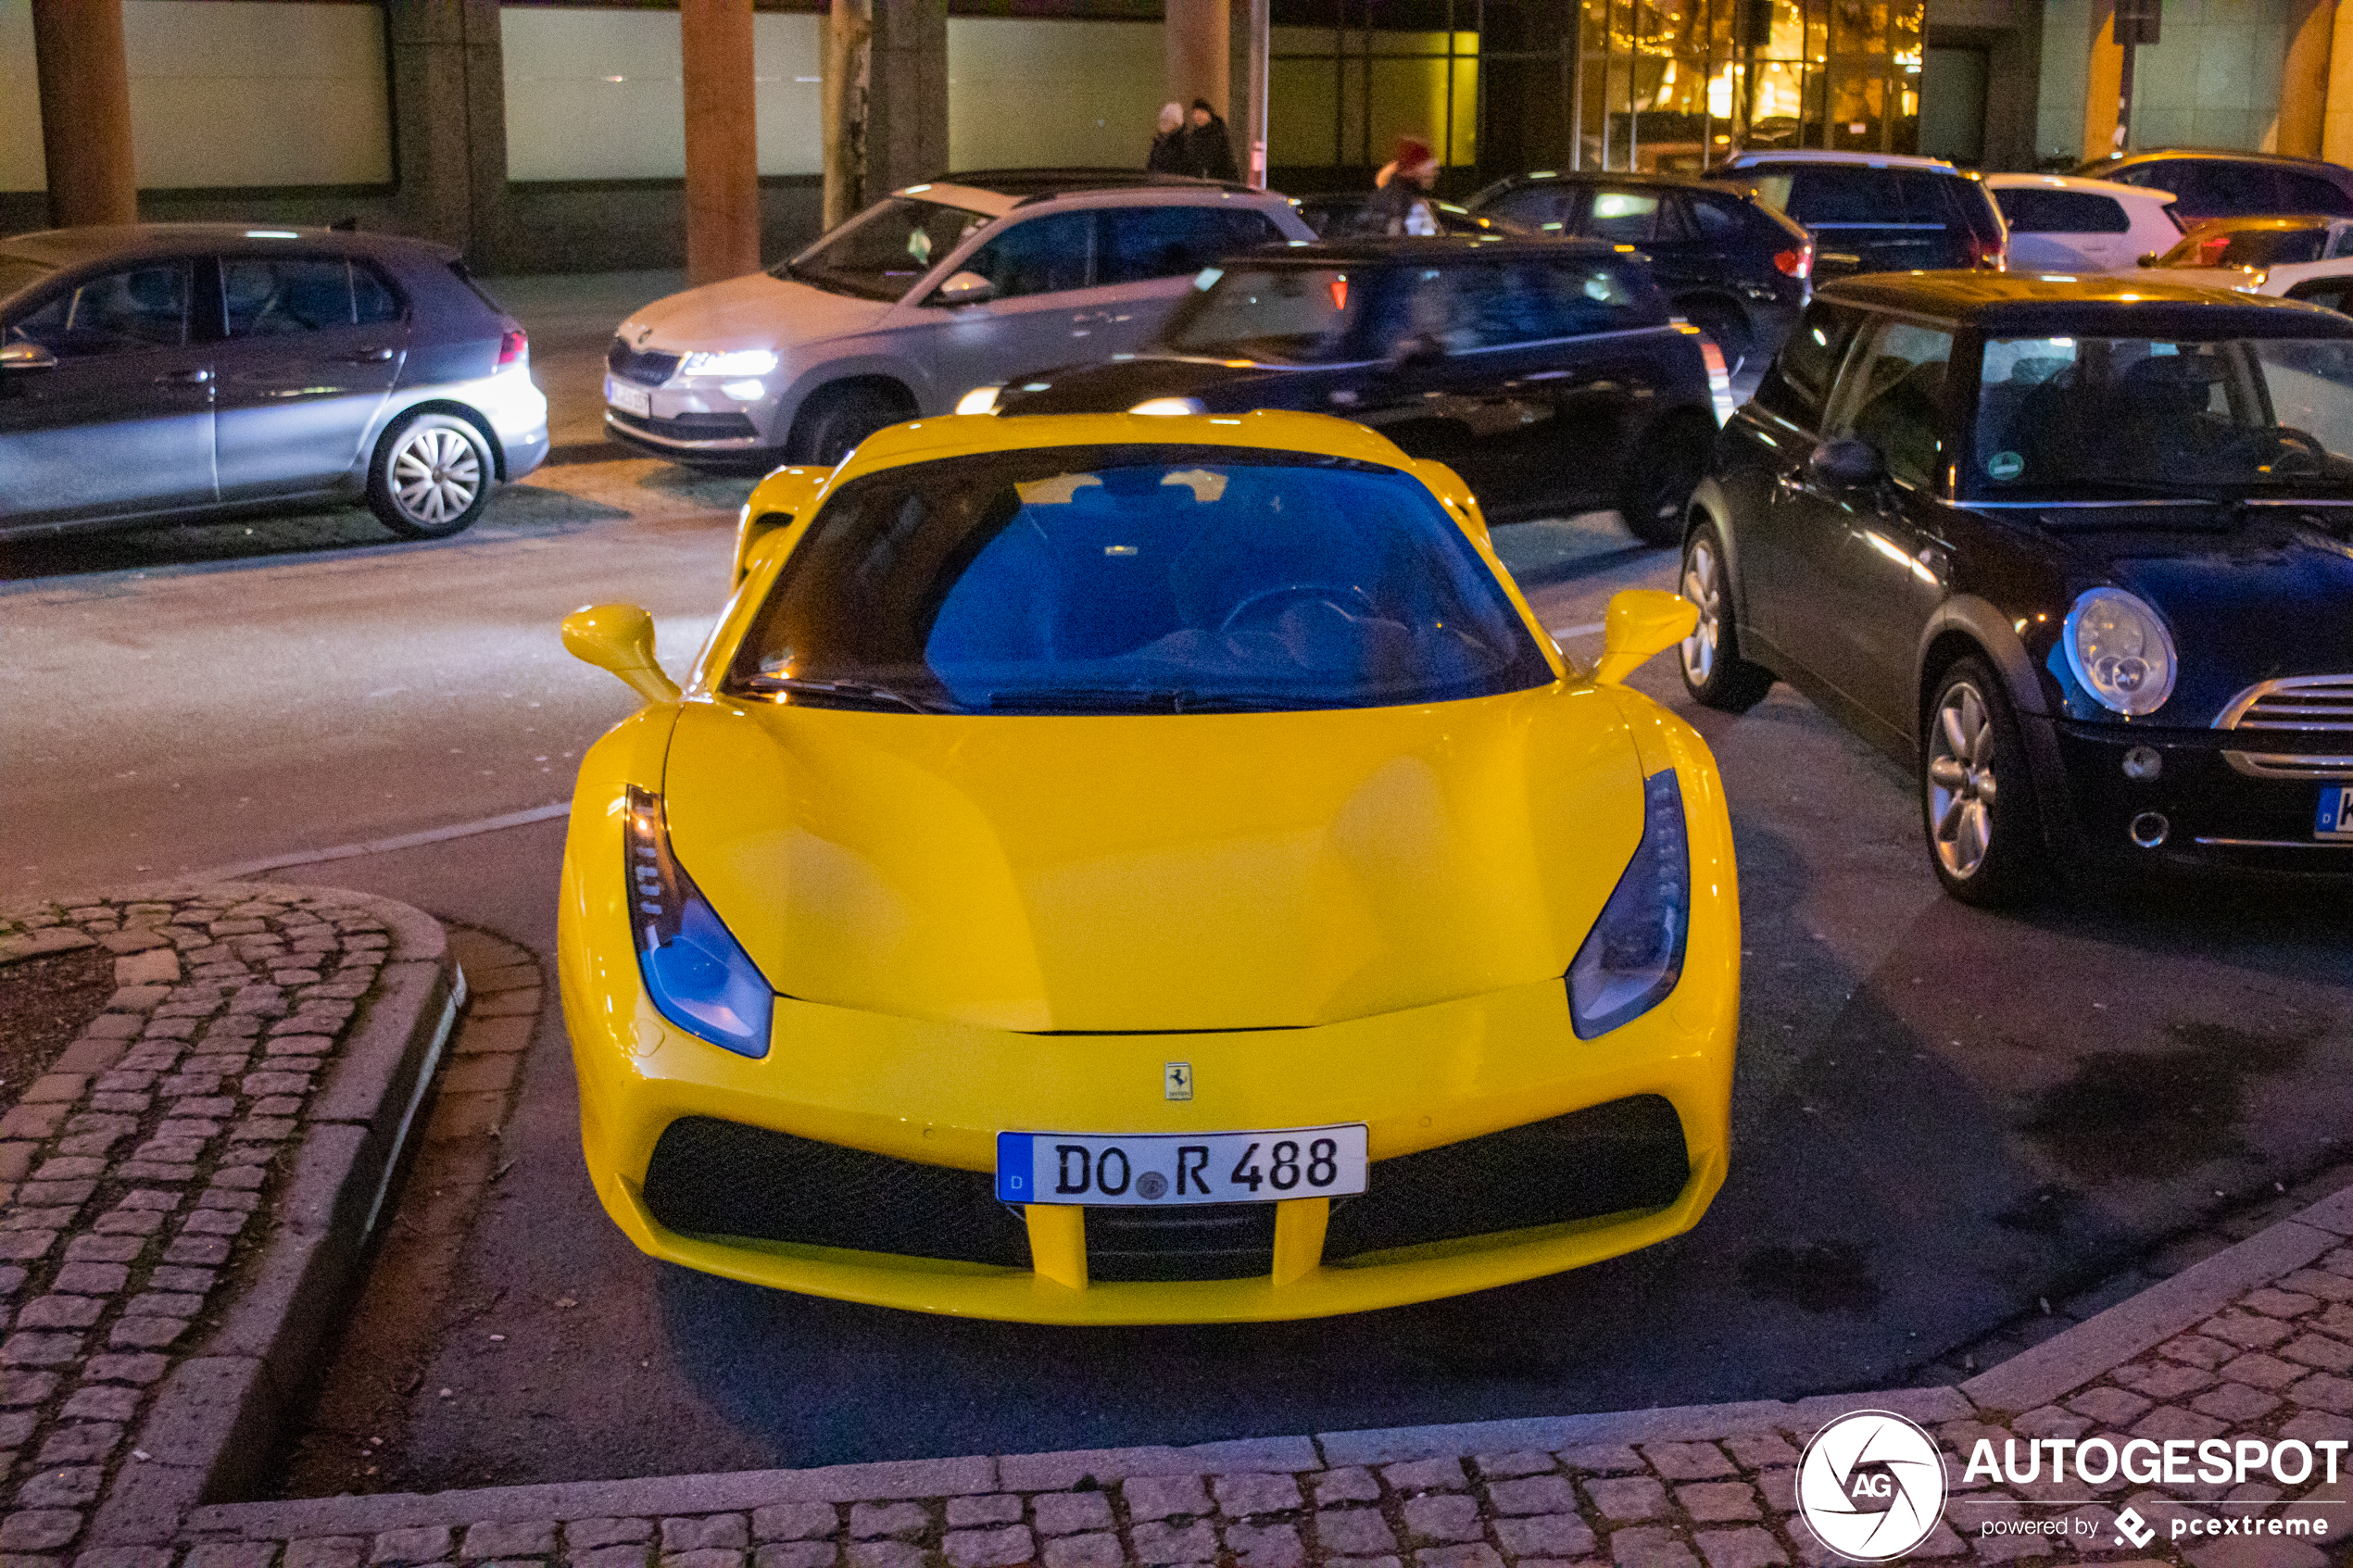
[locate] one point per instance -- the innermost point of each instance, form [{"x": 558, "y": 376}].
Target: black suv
[
  {"x": 1548, "y": 373},
  {"x": 2219, "y": 185},
  {"x": 1870, "y": 212},
  {"x": 1732, "y": 267}
]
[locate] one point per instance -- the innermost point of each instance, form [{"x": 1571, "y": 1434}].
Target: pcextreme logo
[{"x": 1872, "y": 1484}]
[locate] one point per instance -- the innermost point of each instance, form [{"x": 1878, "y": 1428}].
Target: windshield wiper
[
  {"x": 864, "y": 692},
  {"x": 1132, "y": 699}
]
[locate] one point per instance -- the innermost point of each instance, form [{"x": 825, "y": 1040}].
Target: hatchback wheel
[
  {"x": 1976, "y": 799},
  {"x": 431, "y": 476},
  {"x": 1714, "y": 671},
  {"x": 1661, "y": 474}
]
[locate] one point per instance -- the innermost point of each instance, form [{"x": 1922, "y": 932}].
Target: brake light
[
  {"x": 514, "y": 348},
  {"x": 1798, "y": 262},
  {"x": 1719, "y": 381}
]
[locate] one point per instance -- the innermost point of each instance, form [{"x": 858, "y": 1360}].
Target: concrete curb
[{"x": 218, "y": 1417}]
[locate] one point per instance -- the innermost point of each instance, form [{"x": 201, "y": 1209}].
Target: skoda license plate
[
  {"x": 1181, "y": 1167},
  {"x": 2335, "y": 819},
  {"x": 629, "y": 399}
]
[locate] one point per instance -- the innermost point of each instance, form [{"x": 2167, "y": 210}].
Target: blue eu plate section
[
  {"x": 2335, "y": 817},
  {"x": 1014, "y": 1168}
]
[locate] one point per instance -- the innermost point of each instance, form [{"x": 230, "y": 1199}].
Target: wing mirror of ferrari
[
  {"x": 620, "y": 638},
  {"x": 1642, "y": 621},
  {"x": 1847, "y": 463},
  {"x": 966, "y": 288}
]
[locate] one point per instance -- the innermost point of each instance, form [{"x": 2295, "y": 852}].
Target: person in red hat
[{"x": 1404, "y": 184}]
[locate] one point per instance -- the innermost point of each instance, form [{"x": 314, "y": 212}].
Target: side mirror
[
  {"x": 1415, "y": 349},
  {"x": 1847, "y": 464},
  {"x": 1642, "y": 621},
  {"x": 26, "y": 356},
  {"x": 776, "y": 501},
  {"x": 620, "y": 638},
  {"x": 964, "y": 288},
  {"x": 2147, "y": 258}
]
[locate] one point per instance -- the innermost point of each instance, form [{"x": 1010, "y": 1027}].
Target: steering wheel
[
  {"x": 1255, "y": 604},
  {"x": 2288, "y": 449}
]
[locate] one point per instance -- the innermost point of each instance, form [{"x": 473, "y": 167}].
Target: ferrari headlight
[
  {"x": 2121, "y": 651},
  {"x": 698, "y": 977},
  {"x": 736, "y": 362},
  {"x": 1634, "y": 954}
]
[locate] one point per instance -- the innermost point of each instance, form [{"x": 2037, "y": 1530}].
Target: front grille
[
  {"x": 1180, "y": 1242},
  {"x": 690, "y": 427},
  {"x": 646, "y": 369},
  {"x": 2301, "y": 702},
  {"x": 710, "y": 1177},
  {"x": 1626, "y": 1154}
]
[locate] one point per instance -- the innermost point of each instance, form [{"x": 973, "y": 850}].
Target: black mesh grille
[
  {"x": 710, "y": 1177},
  {"x": 1182, "y": 1241},
  {"x": 646, "y": 369},
  {"x": 1628, "y": 1154},
  {"x": 690, "y": 427}
]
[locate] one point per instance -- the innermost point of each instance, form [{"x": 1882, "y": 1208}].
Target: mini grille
[
  {"x": 2301, "y": 702},
  {"x": 646, "y": 369},
  {"x": 710, "y": 1177},
  {"x": 1186, "y": 1241}
]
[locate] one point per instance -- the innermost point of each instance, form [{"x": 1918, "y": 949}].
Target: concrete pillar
[
  {"x": 2103, "y": 80},
  {"x": 85, "y": 112},
  {"x": 1197, "y": 49},
  {"x": 906, "y": 95},
  {"x": 2304, "y": 77},
  {"x": 723, "y": 144},
  {"x": 449, "y": 122},
  {"x": 2336, "y": 121}
]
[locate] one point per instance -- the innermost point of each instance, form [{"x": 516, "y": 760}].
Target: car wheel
[
  {"x": 1977, "y": 800},
  {"x": 431, "y": 477},
  {"x": 1714, "y": 671},
  {"x": 1725, "y": 327},
  {"x": 837, "y": 418},
  {"x": 1666, "y": 467}
]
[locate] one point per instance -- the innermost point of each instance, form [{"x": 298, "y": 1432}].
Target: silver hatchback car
[
  {"x": 171, "y": 370},
  {"x": 973, "y": 280}
]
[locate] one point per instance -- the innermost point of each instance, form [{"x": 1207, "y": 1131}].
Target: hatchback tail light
[
  {"x": 1798, "y": 261},
  {"x": 514, "y": 348}
]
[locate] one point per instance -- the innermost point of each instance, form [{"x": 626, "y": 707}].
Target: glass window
[
  {"x": 1799, "y": 381},
  {"x": 114, "y": 313},
  {"x": 1891, "y": 396},
  {"x": 1716, "y": 218},
  {"x": 284, "y": 295},
  {"x": 1489, "y": 304},
  {"x": 2247, "y": 247},
  {"x": 374, "y": 303},
  {"x": 1041, "y": 256},
  {"x": 880, "y": 253},
  {"x": 1283, "y": 315},
  {"x": 2328, "y": 293},
  {"x": 1547, "y": 208},
  {"x": 1626, "y": 217},
  {"x": 1141, "y": 243},
  {"x": 1144, "y": 579},
  {"x": 2036, "y": 209},
  {"x": 2308, "y": 192}
]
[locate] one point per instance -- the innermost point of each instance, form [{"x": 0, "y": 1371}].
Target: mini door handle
[
  {"x": 368, "y": 357},
  {"x": 184, "y": 378}
]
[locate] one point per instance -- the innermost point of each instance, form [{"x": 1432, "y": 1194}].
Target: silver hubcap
[
  {"x": 436, "y": 473},
  {"x": 1704, "y": 586},
  {"x": 1960, "y": 781}
]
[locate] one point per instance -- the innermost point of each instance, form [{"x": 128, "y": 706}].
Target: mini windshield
[
  {"x": 1278, "y": 315},
  {"x": 1121, "y": 579},
  {"x": 880, "y": 253},
  {"x": 2248, "y": 247},
  {"x": 2135, "y": 416}
]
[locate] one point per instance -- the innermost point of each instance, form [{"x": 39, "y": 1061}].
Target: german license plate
[
  {"x": 629, "y": 399},
  {"x": 1145, "y": 1169},
  {"x": 2335, "y": 816}
]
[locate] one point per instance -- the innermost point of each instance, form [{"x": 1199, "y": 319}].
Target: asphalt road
[{"x": 1940, "y": 1115}]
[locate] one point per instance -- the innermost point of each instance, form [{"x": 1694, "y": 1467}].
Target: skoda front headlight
[
  {"x": 2121, "y": 651},
  {"x": 734, "y": 362},
  {"x": 1634, "y": 954},
  {"x": 696, "y": 973}
]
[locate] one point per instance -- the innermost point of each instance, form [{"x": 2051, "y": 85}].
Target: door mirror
[
  {"x": 26, "y": 356},
  {"x": 1640, "y": 623},
  {"x": 620, "y": 638},
  {"x": 964, "y": 288},
  {"x": 1415, "y": 350},
  {"x": 1847, "y": 464},
  {"x": 1836, "y": 264}
]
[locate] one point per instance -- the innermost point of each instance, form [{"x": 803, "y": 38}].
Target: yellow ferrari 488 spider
[{"x": 1112, "y": 870}]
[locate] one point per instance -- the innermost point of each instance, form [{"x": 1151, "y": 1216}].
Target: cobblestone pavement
[{"x": 138, "y": 1176}]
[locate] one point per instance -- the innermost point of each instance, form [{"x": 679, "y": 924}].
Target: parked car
[
  {"x": 1113, "y": 870},
  {"x": 2230, "y": 184},
  {"x": 1874, "y": 212},
  {"x": 2226, "y": 252},
  {"x": 166, "y": 373},
  {"x": 1548, "y": 373},
  {"x": 926, "y": 293},
  {"x": 1731, "y": 266},
  {"x": 2060, "y": 223},
  {"x": 1346, "y": 215},
  {"x": 2079, "y": 552},
  {"x": 2326, "y": 283}
]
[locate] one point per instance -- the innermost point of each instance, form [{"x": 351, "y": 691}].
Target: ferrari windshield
[
  {"x": 2098, "y": 416},
  {"x": 881, "y": 253},
  {"x": 1143, "y": 579}
]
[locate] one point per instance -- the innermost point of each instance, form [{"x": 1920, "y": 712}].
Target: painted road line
[
  {"x": 1585, "y": 631},
  {"x": 381, "y": 845}
]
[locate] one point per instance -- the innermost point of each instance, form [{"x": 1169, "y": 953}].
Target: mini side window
[
  {"x": 1799, "y": 381},
  {"x": 124, "y": 312},
  {"x": 1892, "y": 396}
]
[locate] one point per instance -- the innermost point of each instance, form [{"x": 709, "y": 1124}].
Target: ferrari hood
[
  {"x": 1156, "y": 872},
  {"x": 753, "y": 311}
]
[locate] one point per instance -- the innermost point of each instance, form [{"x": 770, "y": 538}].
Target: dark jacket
[
  {"x": 1207, "y": 154},
  {"x": 1168, "y": 155}
]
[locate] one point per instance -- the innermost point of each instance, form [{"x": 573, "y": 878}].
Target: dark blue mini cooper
[{"x": 2081, "y": 553}]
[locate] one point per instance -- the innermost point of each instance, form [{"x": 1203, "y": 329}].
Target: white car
[
  {"x": 939, "y": 288},
  {"x": 2326, "y": 283},
  {"x": 2244, "y": 254},
  {"x": 2064, "y": 224}
]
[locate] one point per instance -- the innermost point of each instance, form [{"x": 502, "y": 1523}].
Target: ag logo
[{"x": 1872, "y": 1484}]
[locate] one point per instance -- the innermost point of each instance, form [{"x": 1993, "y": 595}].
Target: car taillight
[
  {"x": 514, "y": 348},
  {"x": 1719, "y": 381},
  {"x": 1797, "y": 262}
]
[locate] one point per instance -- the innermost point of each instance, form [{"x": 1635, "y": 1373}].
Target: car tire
[
  {"x": 835, "y": 418},
  {"x": 432, "y": 475},
  {"x": 1714, "y": 671},
  {"x": 1670, "y": 461},
  {"x": 1726, "y": 327},
  {"x": 1977, "y": 797}
]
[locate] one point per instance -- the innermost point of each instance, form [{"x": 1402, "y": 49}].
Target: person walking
[
  {"x": 1402, "y": 187},
  {"x": 1208, "y": 154},
  {"x": 1168, "y": 155}
]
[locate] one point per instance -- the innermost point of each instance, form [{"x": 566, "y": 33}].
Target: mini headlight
[
  {"x": 1634, "y": 954},
  {"x": 979, "y": 400},
  {"x": 1170, "y": 405},
  {"x": 734, "y": 362},
  {"x": 2121, "y": 651},
  {"x": 697, "y": 975}
]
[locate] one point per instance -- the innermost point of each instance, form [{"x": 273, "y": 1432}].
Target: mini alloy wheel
[
  {"x": 1713, "y": 669},
  {"x": 1975, "y": 795},
  {"x": 431, "y": 476}
]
